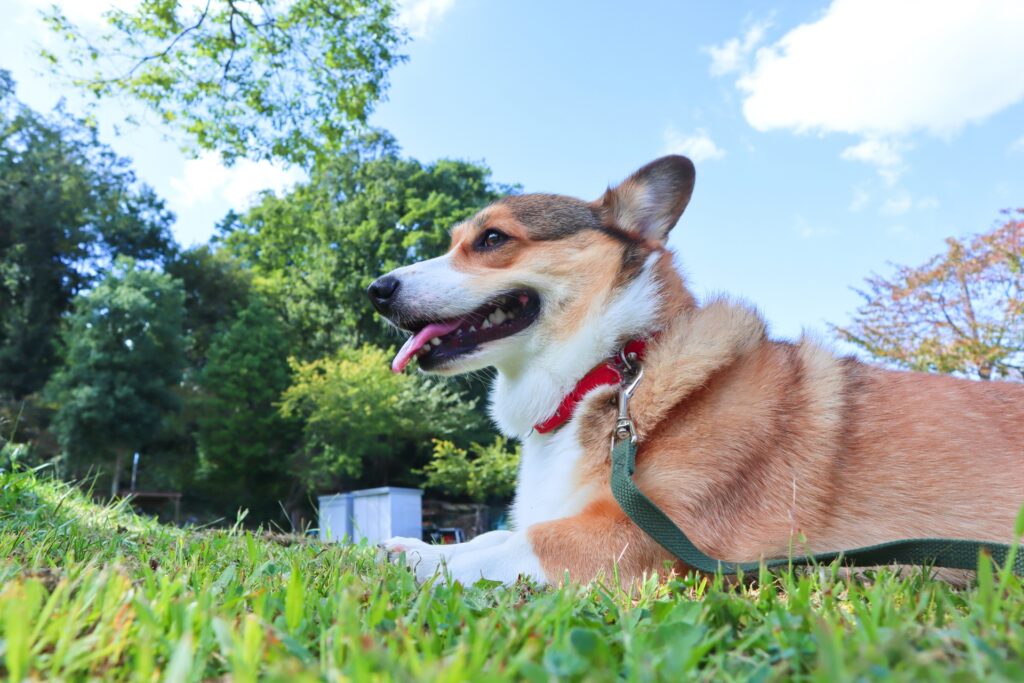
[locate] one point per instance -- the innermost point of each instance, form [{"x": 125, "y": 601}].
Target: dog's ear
[{"x": 650, "y": 201}]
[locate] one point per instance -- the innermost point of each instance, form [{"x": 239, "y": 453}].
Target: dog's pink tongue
[{"x": 417, "y": 341}]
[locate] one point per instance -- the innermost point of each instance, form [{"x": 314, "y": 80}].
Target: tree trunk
[{"x": 115, "y": 483}]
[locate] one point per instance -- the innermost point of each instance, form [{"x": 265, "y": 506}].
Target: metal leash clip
[{"x": 624, "y": 427}]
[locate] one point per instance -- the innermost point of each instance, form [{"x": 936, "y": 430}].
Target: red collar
[{"x": 607, "y": 373}]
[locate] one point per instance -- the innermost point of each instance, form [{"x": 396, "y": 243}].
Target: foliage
[
  {"x": 488, "y": 474},
  {"x": 124, "y": 356},
  {"x": 361, "y": 419},
  {"x": 216, "y": 288},
  {"x": 244, "y": 443},
  {"x": 317, "y": 249},
  {"x": 91, "y": 593},
  {"x": 68, "y": 207},
  {"x": 247, "y": 78},
  {"x": 961, "y": 312}
]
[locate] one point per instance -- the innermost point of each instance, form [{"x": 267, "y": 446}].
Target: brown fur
[{"x": 751, "y": 445}]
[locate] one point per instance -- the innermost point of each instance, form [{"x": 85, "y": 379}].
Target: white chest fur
[
  {"x": 529, "y": 391},
  {"x": 548, "y": 486}
]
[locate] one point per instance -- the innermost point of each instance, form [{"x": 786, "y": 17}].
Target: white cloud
[
  {"x": 881, "y": 70},
  {"x": 698, "y": 146},
  {"x": 879, "y": 67},
  {"x": 205, "y": 179},
  {"x": 885, "y": 155},
  {"x": 732, "y": 55},
  {"x": 419, "y": 17}
]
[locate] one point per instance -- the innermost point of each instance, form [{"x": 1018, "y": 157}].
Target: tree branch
[{"x": 167, "y": 50}]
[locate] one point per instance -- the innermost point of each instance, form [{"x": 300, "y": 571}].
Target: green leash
[{"x": 938, "y": 552}]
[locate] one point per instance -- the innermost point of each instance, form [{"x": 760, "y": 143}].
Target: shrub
[{"x": 488, "y": 473}]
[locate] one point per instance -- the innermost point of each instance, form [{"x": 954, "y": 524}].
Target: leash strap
[{"x": 939, "y": 552}]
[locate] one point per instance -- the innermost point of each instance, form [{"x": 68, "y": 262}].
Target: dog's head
[{"x": 533, "y": 271}]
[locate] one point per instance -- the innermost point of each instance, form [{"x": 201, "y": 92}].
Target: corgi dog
[{"x": 749, "y": 445}]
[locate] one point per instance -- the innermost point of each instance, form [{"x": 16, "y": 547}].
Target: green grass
[{"x": 90, "y": 592}]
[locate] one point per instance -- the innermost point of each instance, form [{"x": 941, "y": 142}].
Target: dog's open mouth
[{"x": 437, "y": 343}]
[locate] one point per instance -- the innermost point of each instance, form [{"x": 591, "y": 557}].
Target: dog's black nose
[{"x": 382, "y": 293}]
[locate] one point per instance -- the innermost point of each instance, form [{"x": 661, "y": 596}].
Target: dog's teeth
[
  {"x": 487, "y": 324},
  {"x": 472, "y": 328},
  {"x": 510, "y": 315},
  {"x": 498, "y": 317},
  {"x": 435, "y": 341}
]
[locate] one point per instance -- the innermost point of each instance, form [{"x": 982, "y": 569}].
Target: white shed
[
  {"x": 373, "y": 514},
  {"x": 336, "y": 517}
]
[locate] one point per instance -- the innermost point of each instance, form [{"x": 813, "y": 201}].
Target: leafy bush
[
  {"x": 359, "y": 416},
  {"x": 488, "y": 474}
]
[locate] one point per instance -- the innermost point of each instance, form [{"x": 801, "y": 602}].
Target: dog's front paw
[
  {"x": 422, "y": 558},
  {"x": 396, "y": 545}
]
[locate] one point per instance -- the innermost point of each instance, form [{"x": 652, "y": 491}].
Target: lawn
[{"x": 90, "y": 592}]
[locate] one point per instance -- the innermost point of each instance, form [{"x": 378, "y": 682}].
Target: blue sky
[{"x": 831, "y": 138}]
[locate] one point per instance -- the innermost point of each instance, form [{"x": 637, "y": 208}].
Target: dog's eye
[{"x": 491, "y": 239}]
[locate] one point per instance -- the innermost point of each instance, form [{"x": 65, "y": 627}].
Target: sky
[{"x": 831, "y": 139}]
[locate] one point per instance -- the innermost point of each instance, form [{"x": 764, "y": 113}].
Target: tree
[
  {"x": 68, "y": 207},
  {"x": 217, "y": 288},
  {"x": 315, "y": 250},
  {"x": 365, "y": 424},
  {"x": 258, "y": 78},
  {"x": 961, "y": 312},
  {"x": 245, "y": 444},
  {"x": 123, "y": 358}
]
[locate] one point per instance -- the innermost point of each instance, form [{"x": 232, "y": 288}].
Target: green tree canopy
[
  {"x": 217, "y": 288},
  {"x": 245, "y": 444},
  {"x": 248, "y": 78},
  {"x": 123, "y": 359},
  {"x": 68, "y": 207},
  {"x": 317, "y": 249}
]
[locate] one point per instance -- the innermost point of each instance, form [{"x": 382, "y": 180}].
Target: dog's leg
[
  {"x": 424, "y": 558},
  {"x": 399, "y": 544},
  {"x": 600, "y": 541},
  {"x": 498, "y": 556}
]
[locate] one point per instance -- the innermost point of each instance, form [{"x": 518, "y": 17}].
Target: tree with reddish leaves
[{"x": 962, "y": 312}]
